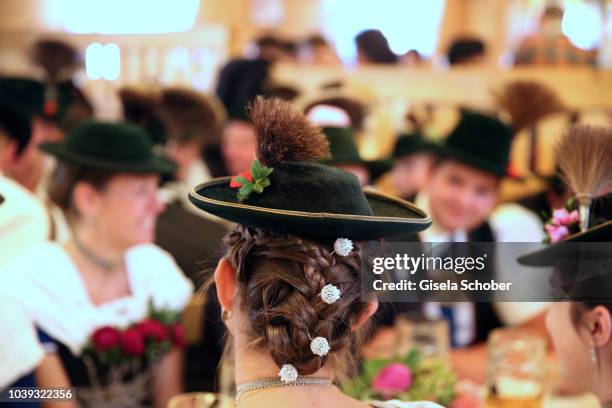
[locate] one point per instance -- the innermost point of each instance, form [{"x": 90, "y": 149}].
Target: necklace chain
[
  {"x": 102, "y": 263},
  {"x": 264, "y": 383}
]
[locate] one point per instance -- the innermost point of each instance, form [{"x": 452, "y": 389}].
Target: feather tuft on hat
[
  {"x": 285, "y": 134},
  {"x": 583, "y": 156}
]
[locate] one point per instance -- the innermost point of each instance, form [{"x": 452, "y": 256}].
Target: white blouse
[{"x": 45, "y": 280}]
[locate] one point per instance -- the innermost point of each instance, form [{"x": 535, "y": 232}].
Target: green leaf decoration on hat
[{"x": 255, "y": 180}]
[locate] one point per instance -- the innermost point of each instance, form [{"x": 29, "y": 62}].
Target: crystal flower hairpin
[
  {"x": 343, "y": 246},
  {"x": 330, "y": 294}
]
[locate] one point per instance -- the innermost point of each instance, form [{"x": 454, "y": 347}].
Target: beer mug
[
  {"x": 431, "y": 337},
  {"x": 517, "y": 376}
]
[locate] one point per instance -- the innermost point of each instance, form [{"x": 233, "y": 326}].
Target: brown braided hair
[{"x": 279, "y": 280}]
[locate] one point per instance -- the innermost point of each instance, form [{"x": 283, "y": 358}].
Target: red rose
[
  {"x": 106, "y": 338},
  {"x": 177, "y": 333},
  {"x": 132, "y": 342},
  {"x": 234, "y": 183},
  {"x": 150, "y": 328}
]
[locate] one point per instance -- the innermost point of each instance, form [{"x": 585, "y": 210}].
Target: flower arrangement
[
  {"x": 146, "y": 340},
  {"x": 563, "y": 222},
  {"x": 408, "y": 378}
]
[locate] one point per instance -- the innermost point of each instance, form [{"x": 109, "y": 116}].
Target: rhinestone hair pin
[
  {"x": 319, "y": 346},
  {"x": 288, "y": 373},
  {"x": 343, "y": 246},
  {"x": 330, "y": 294}
]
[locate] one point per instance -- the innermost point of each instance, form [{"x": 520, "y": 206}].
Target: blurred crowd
[{"x": 97, "y": 230}]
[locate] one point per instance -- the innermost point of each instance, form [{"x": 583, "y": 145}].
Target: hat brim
[
  {"x": 391, "y": 216},
  {"x": 154, "y": 164},
  {"x": 445, "y": 151},
  {"x": 550, "y": 254}
]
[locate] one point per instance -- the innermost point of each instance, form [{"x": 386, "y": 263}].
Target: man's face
[
  {"x": 461, "y": 196},
  {"x": 410, "y": 173},
  {"x": 238, "y": 146}
]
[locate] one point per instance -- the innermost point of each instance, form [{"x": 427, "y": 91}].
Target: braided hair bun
[{"x": 280, "y": 278}]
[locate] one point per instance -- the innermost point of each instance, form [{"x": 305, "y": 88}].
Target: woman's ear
[
  {"x": 225, "y": 280},
  {"x": 85, "y": 198},
  {"x": 368, "y": 312},
  {"x": 599, "y": 323}
]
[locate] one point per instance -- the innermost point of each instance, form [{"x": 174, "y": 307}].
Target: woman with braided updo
[{"x": 289, "y": 284}]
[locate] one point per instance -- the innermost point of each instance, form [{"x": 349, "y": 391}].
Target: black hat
[
  {"x": 583, "y": 271},
  {"x": 407, "y": 144},
  {"x": 344, "y": 151},
  {"x": 116, "y": 147},
  {"x": 239, "y": 82},
  {"x": 295, "y": 195},
  {"x": 480, "y": 141},
  {"x": 16, "y": 123},
  {"x": 28, "y": 94}
]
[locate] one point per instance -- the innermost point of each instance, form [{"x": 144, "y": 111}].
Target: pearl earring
[{"x": 594, "y": 355}]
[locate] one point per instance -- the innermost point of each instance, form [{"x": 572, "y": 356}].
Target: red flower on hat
[
  {"x": 106, "y": 338},
  {"x": 153, "y": 329},
  {"x": 178, "y": 336},
  {"x": 50, "y": 107},
  {"x": 253, "y": 181},
  {"x": 132, "y": 342},
  {"x": 512, "y": 171},
  {"x": 234, "y": 183}
]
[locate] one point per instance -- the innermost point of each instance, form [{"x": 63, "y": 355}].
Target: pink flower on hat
[
  {"x": 564, "y": 217},
  {"x": 556, "y": 232}
]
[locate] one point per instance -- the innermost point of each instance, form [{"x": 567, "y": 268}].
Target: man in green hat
[
  {"x": 462, "y": 197},
  {"x": 412, "y": 161},
  {"x": 23, "y": 219}
]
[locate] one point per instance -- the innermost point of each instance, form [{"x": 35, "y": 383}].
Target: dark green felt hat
[
  {"x": 16, "y": 123},
  {"x": 344, "y": 151},
  {"x": 116, "y": 147},
  {"x": 408, "y": 144},
  {"x": 298, "y": 194},
  {"x": 28, "y": 94},
  {"x": 480, "y": 141}
]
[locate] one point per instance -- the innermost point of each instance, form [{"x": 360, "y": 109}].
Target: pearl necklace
[{"x": 264, "y": 383}]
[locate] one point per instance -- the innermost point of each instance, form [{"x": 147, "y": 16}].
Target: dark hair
[
  {"x": 268, "y": 41},
  {"x": 189, "y": 116},
  {"x": 553, "y": 11},
  {"x": 64, "y": 179},
  {"x": 464, "y": 49},
  {"x": 55, "y": 55},
  {"x": 279, "y": 281},
  {"x": 315, "y": 40},
  {"x": 284, "y": 92},
  {"x": 290, "y": 47},
  {"x": 375, "y": 46}
]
